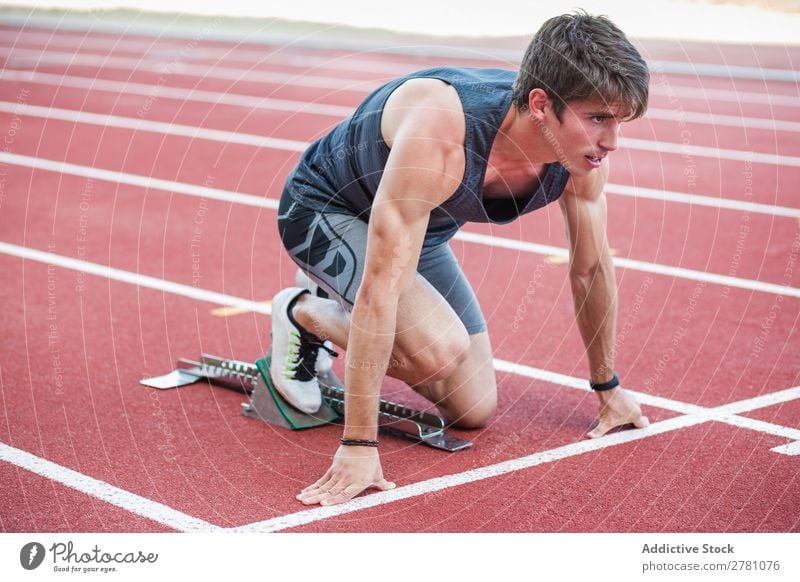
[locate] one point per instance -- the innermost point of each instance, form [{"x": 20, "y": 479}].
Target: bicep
[{"x": 421, "y": 172}]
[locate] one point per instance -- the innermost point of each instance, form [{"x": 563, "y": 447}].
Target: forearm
[
  {"x": 369, "y": 350},
  {"x": 595, "y": 297}
]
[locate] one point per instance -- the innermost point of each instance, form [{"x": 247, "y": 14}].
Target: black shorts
[{"x": 331, "y": 248}]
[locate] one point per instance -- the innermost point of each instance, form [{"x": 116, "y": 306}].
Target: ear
[{"x": 539, "y": 104}]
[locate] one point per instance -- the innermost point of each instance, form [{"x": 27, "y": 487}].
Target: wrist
[
  {"x": 347, "y": 442},
  {"x": 360, "y": 433},
  {"x": 603, "y": 386}
]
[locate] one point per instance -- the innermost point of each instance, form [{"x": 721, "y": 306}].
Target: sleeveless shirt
[{"x": 340, "y": 172}]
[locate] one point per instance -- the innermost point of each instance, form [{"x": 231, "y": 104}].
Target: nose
[{"x": 609, "y": 138}]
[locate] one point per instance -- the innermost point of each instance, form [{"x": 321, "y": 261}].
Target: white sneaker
[
  {"x": 324, "y": 359},
  {"x": 293, "y": 368}
]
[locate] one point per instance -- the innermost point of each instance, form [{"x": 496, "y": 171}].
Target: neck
[{"x": 519, "y": 140}]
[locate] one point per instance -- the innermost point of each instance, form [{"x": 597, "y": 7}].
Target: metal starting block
[{"x": 267, "y": 405}]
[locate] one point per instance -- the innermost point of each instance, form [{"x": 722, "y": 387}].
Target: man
[{"x": 369, "y": 209}]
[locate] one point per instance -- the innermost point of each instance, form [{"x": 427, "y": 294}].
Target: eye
[{"x": 598, "y": 120}]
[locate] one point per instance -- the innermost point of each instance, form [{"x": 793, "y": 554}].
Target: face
[{"x": 586, "y": 134}]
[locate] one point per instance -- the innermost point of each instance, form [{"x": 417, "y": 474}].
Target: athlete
[{"x": 368, "y": 212}]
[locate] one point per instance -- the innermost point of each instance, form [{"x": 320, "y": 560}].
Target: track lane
[
  {"x": 532, "y": 290},
  {"x": 528, "y": 419},
  {"x": 728, "y": 247},
  {"x": 45, "y": 506},
  {"x": 635, "y": 487}
]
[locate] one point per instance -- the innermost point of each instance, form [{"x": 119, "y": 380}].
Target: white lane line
[
  {"x": 166, "y": 92},
  {"x": 725, "y": 71},
  {"x": 682, "y": 117},
  {"x": 672, "y": 91},
  {"x": 678, "y": 92},
  {"x": 307, "y": 516},
  {"x": 701, "y": 415},
  {"x": 138, "y": 180},
  {"x": 25, "y": 58},
  {"x": 469, "y": 53},
  {"x": 769, "y": 399},
  {"x": 687, "y": 150},
  {"x": 138, "y": 124},
  {"x": 692, "y": 275},
  {"x": 722, "y": 413},
  {"x": 471, "y": 237},
  {"x": 136, "y": 504},
  {"x": 698, "y": 415},
  {"x": 132, "y": 278},
  {"x": 336, "y": 111},
  {"x": 698, "y": 200},
  {"x": 273, "y": 56},
  {"x": 758, "y": 426},
  {"x": 791, "y": 445},
  {"x": 449, "y": 481},
  {"x": 583, "y": 385},
  {"x": 667, "y": 270},
  {"x": 726, "y": 413},
  {"x": 791, "y": 449},
  {"x": 18, "y": 58},
  {"x": 253, "y": 102}
]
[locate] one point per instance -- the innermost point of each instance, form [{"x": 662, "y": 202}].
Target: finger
[
  {"x": 312, "y": 498},
  {"x": 602, "y": 428},
  {"x": 321, "y": 481},
  {"x": 347, "y": 494},
  {"x": 312, "y": 493},
  {"x": 384, "y": 485},
  {"x": 316, "y": 496},
  {"x": 336, "y": 496}
]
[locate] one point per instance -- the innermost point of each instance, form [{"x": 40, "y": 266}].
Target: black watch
[{"x": 613, "y": 383}]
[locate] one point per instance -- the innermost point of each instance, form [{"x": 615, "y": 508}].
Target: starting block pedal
[{"x": 267, "y": 405}]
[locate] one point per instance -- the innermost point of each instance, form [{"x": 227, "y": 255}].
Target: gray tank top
[{"x": 340, "y": 172}]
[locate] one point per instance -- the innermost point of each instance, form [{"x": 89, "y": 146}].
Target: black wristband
[
  {"x": 358, "y": 442},
  {"x": 613, "y": 383}
]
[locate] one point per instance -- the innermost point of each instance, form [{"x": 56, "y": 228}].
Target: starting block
[{"x": 267, "y": 405}]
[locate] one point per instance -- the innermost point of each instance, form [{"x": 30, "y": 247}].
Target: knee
[
  {"x": 477, "y": 416},
  {"x": 437, "y": 361}
]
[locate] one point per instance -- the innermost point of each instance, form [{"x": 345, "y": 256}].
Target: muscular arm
[
  {"x": 425, "y": 165},
  {"x": 591, "y": 270},
  {"x": 423, "y": 124}
]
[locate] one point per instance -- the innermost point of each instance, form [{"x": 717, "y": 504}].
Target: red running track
[{"x": 80, "y": 342}]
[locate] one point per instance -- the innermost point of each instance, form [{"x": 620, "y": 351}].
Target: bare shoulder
[
  {"x": 591, "y": 186},
  {"x": 426, "y": 108}
]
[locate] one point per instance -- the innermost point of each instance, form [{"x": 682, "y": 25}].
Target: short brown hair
[{"x": 580, "y": 57}]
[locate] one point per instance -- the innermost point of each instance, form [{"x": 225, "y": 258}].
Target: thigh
[
  {"x": 330, "y": 248},
  {"x": 439, "y": 266}
]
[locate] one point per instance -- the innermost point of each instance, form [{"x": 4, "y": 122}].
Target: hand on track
[
  {"x": 353, "y": 470},
  {"x": 617, "y": 407}
]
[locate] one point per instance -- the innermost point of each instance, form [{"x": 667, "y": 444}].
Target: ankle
[{"x": 302, "y": 312}]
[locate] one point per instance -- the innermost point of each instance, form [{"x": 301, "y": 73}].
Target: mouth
[{"x": 594, "y": 161}]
